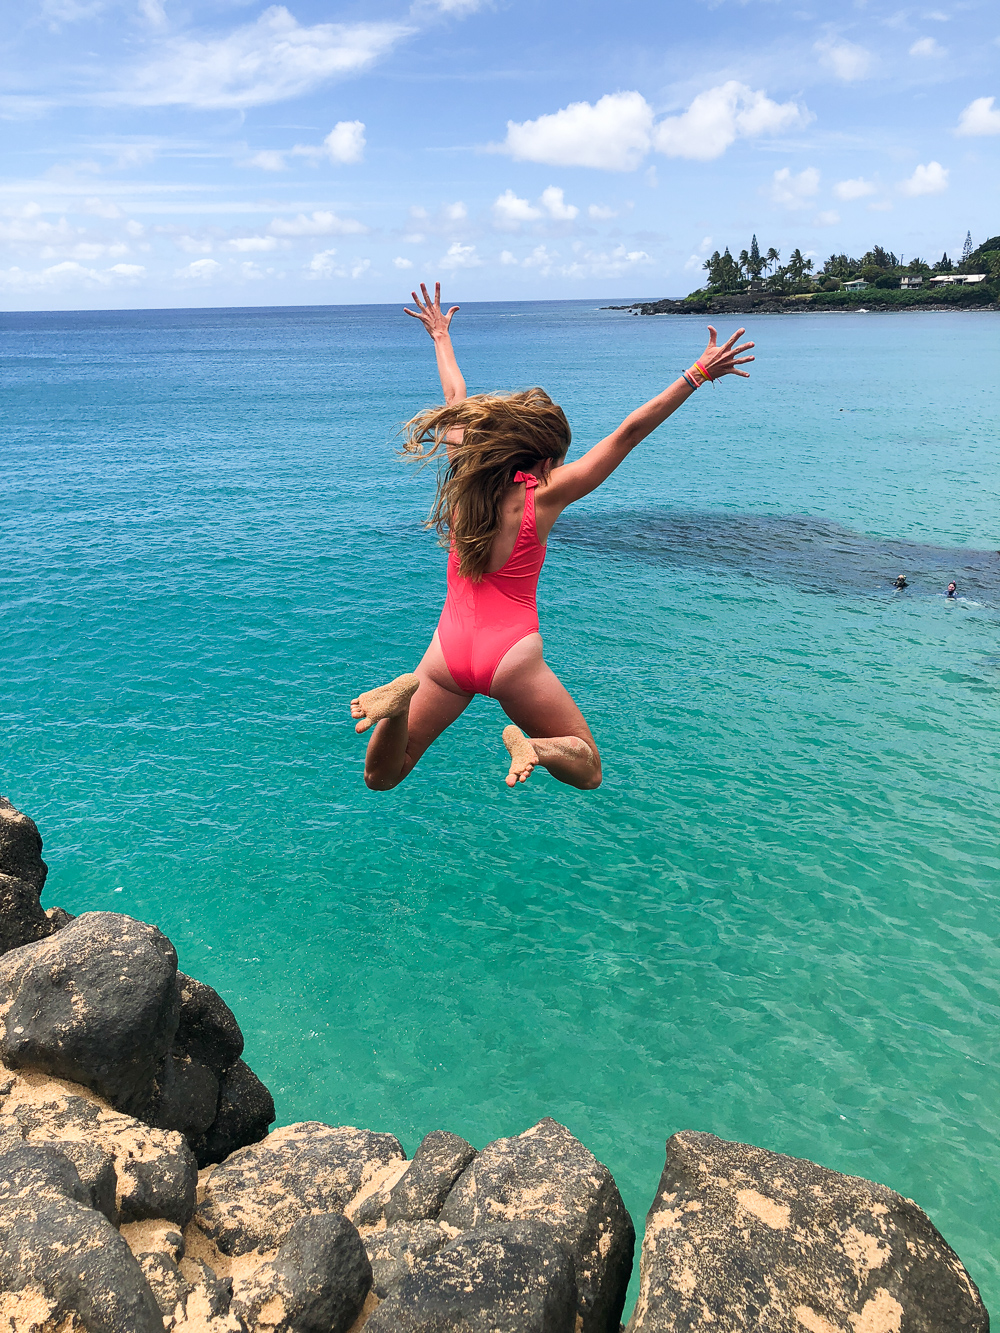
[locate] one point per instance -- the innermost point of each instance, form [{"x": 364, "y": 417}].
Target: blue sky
[{"x": 231, "y": 153}]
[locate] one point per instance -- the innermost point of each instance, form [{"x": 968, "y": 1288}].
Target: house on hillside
[
  {"x": 911, "y": 280},
  {"x": 953, "y": 279},
  {"x": 855, "y": 285}
]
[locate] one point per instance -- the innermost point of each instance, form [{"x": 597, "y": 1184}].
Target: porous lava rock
[
  {"x": 400, "y": 1250},
  {"x": 59, "y": 1257},
  {"x": 22, "y": 877},
  {"x": 97, "y": 999},
  {"x": 316, "y": 1283},
  {"x": 20, "y": 846},
  {"x": 95, "y": 1003},
  {"x": 155, "y": 1173},
  {"x": 421, "y": 1190},
  {"x": 245, "y": 1111},
  {"x": 508, "y": 1277},
  {"x": 207, "y": 1030},
  {"x": 547, "y": 1175},
  {"x": 254, "y": 1197},
  {"x": 740, "y": 1238}
]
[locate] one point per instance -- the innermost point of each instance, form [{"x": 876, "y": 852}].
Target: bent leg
[
  {"x": 398, "y": 742},
  {"x": 534, "y": 698}
]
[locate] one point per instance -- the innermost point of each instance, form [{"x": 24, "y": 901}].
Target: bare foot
[
  {"x": 384, "y": 701},
  {"x": 523, "y": 756}
]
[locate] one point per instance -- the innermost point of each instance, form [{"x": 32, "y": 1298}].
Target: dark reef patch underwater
[{"x": 812, "y": 554}]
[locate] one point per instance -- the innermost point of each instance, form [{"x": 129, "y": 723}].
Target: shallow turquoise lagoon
[{"x": 777, "y": 919}]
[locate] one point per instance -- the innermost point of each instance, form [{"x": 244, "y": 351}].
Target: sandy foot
[
  {"x": 384, "y": 701},
  {"x": 523, "y": 756}
]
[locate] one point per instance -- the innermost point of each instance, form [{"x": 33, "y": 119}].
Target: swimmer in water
[
  {"x": 901, "y": 581},
  {"x": 952, "y": 589},
  {"x": 503, "y": 484}
]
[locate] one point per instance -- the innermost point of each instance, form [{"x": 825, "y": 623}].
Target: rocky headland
[{"x": 142, "y": 1190}]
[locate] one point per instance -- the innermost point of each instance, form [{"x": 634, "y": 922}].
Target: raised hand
[
  {"x": 430, "y": 314},
  {"x": 719, "y": 361}
]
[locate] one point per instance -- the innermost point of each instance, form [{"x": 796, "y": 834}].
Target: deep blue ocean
[{"x": 777, "y": 918}]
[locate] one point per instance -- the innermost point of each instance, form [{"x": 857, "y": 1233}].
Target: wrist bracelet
[
  {"x": 702, "y": 369},
  {"x": 689, "y": 379}
]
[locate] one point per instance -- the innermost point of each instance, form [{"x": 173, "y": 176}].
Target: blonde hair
[{"x": 502, "y": 433}]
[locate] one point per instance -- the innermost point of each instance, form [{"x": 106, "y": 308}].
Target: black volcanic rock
[
  {"x": 511, "y": 1277},
  {"x": 420, "y": 1192},
  {"x": 256, "y": 1195},
  {"x": 316, "y": 1283},
  {"x": 400, "y": 1250},
  {"x": 207, "y": 1029},
  {"x": 95, "y": 1003},
  {"x": 59, "y": 1257},
  {"x": 740, "y": 1238},
  {"x": 21, "y": 847},
  {"x": 547, "y": 1175},
  {"x": 245, "y": 1111}
]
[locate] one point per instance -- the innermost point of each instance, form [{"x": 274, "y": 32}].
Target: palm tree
[{"x": 771, "y": 259}]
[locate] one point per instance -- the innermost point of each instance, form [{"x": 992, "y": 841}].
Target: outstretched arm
[
  {"x": 579, "y": 478},
  {"x": 437, "y": 324}
]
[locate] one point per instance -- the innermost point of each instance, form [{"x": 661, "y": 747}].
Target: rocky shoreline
[
  {"x": 765, "y": 304},
  {"x": 141, "y": 1189}
]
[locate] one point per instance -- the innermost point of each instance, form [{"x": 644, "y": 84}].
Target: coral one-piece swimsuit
[{"x": 482, "y": 621}]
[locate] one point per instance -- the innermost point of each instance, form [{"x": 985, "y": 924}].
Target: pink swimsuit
[{"x": 482, "y": 621}]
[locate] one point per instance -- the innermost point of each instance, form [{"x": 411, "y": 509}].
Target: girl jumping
[{"x": 505, "y": 484}]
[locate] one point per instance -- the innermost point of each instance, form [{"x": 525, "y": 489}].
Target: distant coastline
[
  {"x": 756, "y": 282},
  {"x": 765, "y": 303}
]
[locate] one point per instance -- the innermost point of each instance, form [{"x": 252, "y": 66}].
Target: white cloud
[
  {"x": 929, "y": 179},
  {"x": 58, "y": 275},
  {"x": 400, "y": 262},
  {"x": 553, "y": 201},
  {"x": 31, "y": 228},
  {"x": 244, "y": 243},
  {"x": 253, "y": 272},
  {"x": 510, "y": 211},
  {"x": 456, "y": 212},
  {"x": 927, "y": 46},
  {"x": 601, "y": 212},
  {"x": 128, "y": 270},
  {"x": 718, "y": 117},
  {"x": 203, "y": 269},
  {"x": 135, "y": 229},
  {"x": 457, "y": 8},
  {"x": 460, "y": 256},
  {"x": 101, "y": 208},
  {"x": 584, "y": 264},
  {"x": 856, "y": 188},
  {"x": 613, "y": 134},
  {"x": 790, "y": 191},
  {"x": 980, "y": 117},
  {"x": 847, "y": 60},
  {"x": 268, "y": 159},
  {"x": 617, "y": 132},
  {"x": 414, "y": 238},
  {"x": 317, "y": 224},
  {"x": 193, "y": 245},
  {"x": 135, "y": 155},
  {"x": 829, "y": 218},
  {"x": 322, "y": 266},
  {"x": 83, "y": 250},
  {"x": 359, "y": 267},
  {"x": 265, "y": 61},
  {"x": 153, "y": 12},
  {"x": 343, "y": 145}
]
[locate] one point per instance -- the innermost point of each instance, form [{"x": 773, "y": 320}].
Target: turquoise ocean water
[{"x": 776, "y": 920}]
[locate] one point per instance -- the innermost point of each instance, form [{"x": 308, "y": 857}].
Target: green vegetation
[{"x": 756, "y": 272}]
